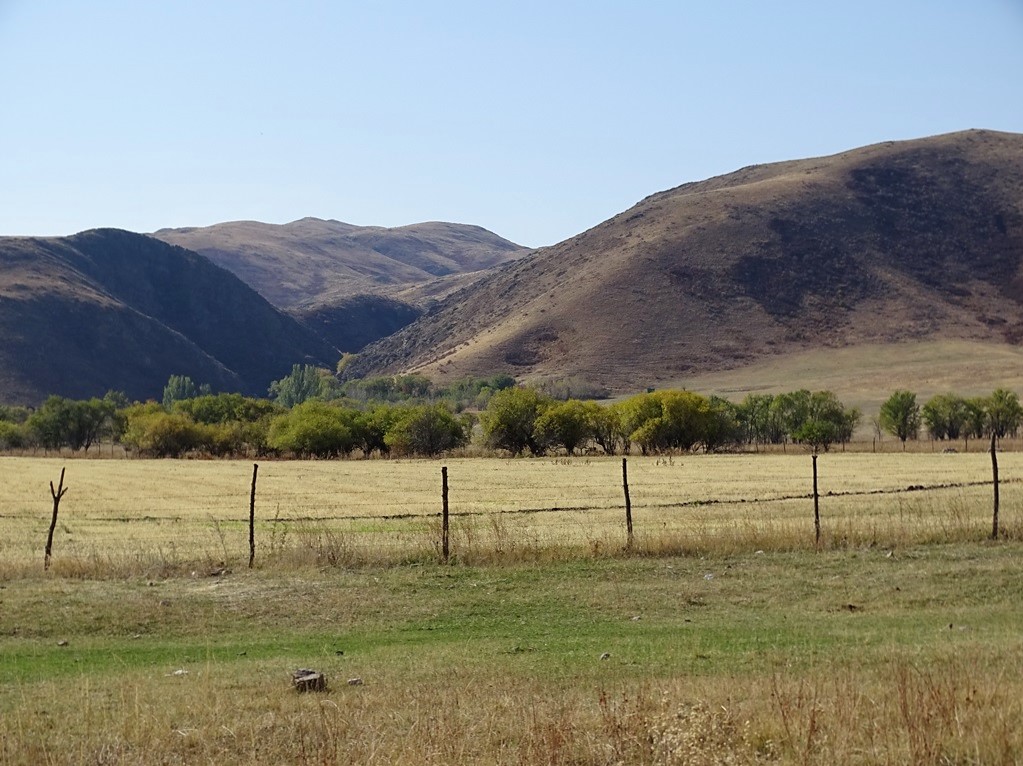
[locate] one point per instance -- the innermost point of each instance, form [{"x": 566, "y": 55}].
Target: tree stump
[{"x": 305, "y": 680}]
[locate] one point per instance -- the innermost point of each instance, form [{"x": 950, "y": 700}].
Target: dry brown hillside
[
  {"x": 898, "y": 242},
  {"x": 312, "y": 262},
  {"x": 109, "y": 309}
]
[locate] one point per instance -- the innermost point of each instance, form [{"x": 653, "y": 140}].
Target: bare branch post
[
  {"x": 816, "y": 505},
  {"x": 56, "y": 494},
  {"x": 444, "y": 514},
  {"x": 628, "y": 503},
  {"x": 994, "y": 476},
  {"x": 252, "y": 517}
]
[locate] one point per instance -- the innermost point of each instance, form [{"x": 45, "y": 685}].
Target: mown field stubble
[{"x": 723, "y": 637}]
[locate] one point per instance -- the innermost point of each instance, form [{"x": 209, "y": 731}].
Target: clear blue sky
[{"x": 536, "y": 119}]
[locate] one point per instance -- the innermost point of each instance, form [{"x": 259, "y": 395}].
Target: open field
[
  {"x": 163, "y": 517},
  {"x": 865, "y": 375},
  {"x": 728, "y": 638}
]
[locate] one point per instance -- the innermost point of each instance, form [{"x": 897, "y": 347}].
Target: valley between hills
[{"x": 892, "y": 265}]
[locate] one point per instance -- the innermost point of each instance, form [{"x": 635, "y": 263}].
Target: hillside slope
[
  {"x": 897, "y": 242},
  {"x": 352, "y": 284},
  {"x": 312, "y": 261},
  {"x": 109, "y": 309}
]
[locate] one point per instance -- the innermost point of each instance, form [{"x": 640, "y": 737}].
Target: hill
[
  {"x": 109, "y": 309},
  {"x": 897, "y": 243},
  {"x": 313, "y": 268}
]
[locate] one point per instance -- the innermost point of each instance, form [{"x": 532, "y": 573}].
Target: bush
[
  {"x": 12, "y": 435},
  {"x": 313, "y": 429},
  {"x": 152, "y": 431},
  {"x": 427, "y": 431},
  {"x": 568, "y": 425},
  {"x": 510, "y": 419}
]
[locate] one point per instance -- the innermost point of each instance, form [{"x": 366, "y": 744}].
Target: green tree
[
  {"x": 12, "y": 435},
  {"x": 826, "y": 422},
  {"x": 13, "y": 414},
  {"x": 426, "y": 430},
  {"x": 510, "y": 419},
  {"x": 606, "y": 429},
  {"x": 178, "y": 387},
  {"x": 226, "y": 408},
  {"x": 303, "y": 383},
  {"x": 788, "y": 412},
  {"x": 664, "y": 421},
  {"x": 753, "y": 416},
  {"x": 61, "y": 422},
  {"x": 566, "y": 424},
  {"x": 975, "y": 425},
  {"x": 313, "y": 429},
  {"x": 945, "y": 416},
  {"x": 152, "y": 431},
  {"x": 722, "y": 425},
  {"x": 1003, "y": 415},
  {"x": 900, "y": 416}
]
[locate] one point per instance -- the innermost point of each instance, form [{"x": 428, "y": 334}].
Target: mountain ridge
[
  {"x": 109, "y": 309},
  {"x": 887, "y": 243}
]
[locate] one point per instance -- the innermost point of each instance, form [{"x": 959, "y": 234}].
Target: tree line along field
[
  {"x": 311, "y": 415},
  {"x": 723, "y": 636}
]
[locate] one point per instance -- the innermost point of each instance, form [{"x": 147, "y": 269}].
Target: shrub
[{"x": 426, "y": 430}]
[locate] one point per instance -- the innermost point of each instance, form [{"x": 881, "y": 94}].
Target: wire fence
[{"x": 390, "y": 510}]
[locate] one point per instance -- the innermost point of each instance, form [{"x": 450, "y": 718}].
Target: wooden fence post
[
  {"x": 444, "y": 514},
  {"x": 628, "y": 503},
  {"x": 252, "y": 517},
  {"x": 57, "y": 494},
  {"x": 816, "y": 506},
  {"x": 994, "y": 477}
]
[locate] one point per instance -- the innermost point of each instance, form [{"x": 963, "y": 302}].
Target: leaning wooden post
[
  {"x": 444, "y": 514},
  {"x": 57, "y": 494},
  {"x": 816, "y": 505},
  {"x": 994, "y": 476},
  {"x": 628, "y": 503},
  {"x": 252, "y": 517}
]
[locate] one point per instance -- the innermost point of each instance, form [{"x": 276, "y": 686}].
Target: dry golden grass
[
  {"x": 725, "y": 638},
  {"x": 954, "y": 713},
  {"x": 126, "y": 516}
]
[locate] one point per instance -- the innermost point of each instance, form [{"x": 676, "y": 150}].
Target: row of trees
[
  {"x": 515, "y": 419},
  {"x": 950, "y": 416},
  {"x": 229, "y": 424},
  {"x": 521, "y": 419},
  {"x": 305, "y": 382}
]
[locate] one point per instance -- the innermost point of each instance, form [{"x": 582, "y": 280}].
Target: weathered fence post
[
  {"x": 994, "y": 476},
  {"x": 816, "y": 505},
  {"x": 57, "y": 494},
  {"x": 628, "y": 503},
  {"x": 252, "y": 517},
  {"x": 444, "y": 514}
]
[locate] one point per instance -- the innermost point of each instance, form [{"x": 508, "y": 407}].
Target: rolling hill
[
  {"x": 109, "y": 309},
  {"x": 898, "y": 243},
  {"x": 355, "y": 283}
]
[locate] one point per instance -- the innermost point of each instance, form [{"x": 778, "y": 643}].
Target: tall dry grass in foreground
[
  {"x": 729, "y": 638},
  {"x": 957, "y": 712}
]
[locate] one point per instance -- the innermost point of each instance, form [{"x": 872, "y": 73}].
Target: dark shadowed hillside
[
  {"x": 108, "y": 309},
  {"x": 899, "y": 242}
]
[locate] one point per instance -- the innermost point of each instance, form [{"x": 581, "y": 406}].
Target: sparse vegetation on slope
[
  {"x": 895, "y": 243},
  {"x": 109, "y": 309}
]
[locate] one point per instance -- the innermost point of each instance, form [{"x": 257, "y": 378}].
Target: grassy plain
[
  {"x": 861, "y": 375},
  {"x": 725, "y": 637}
]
